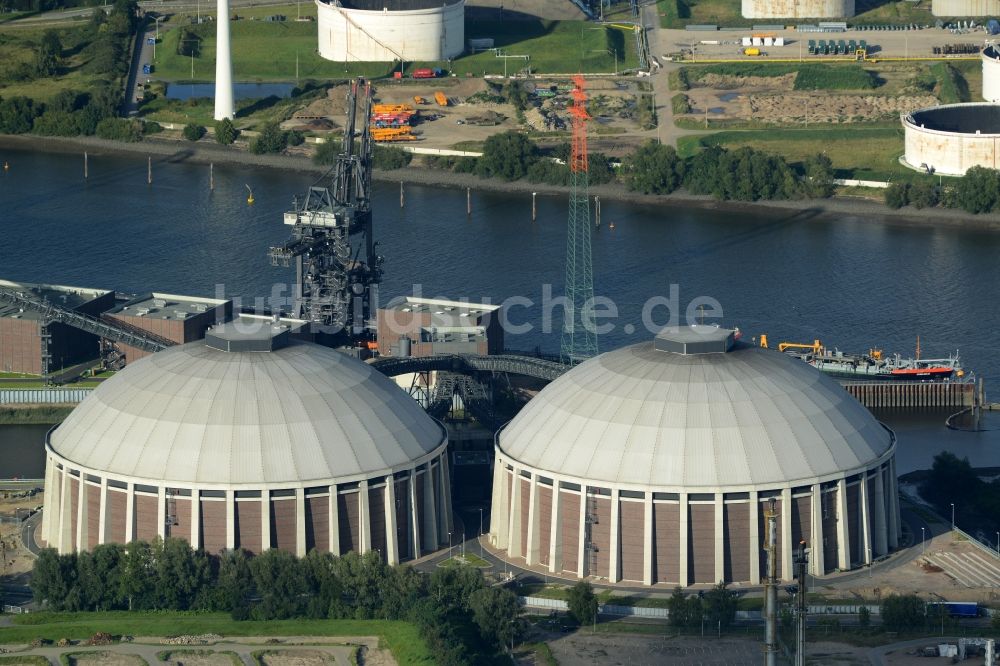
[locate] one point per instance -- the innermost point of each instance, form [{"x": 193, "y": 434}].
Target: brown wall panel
[
  {"x": 666, "y": 542},
  {"x": 801, "y": 521},
  {"x": 180, "y": 527},
  {"x": 93, "y": 494},
  {"x": 737, "y": 542},
  {"x": 147, "y": 520},
  {"x": 115, "y": 517},
  {"x": 544, "y": 513},
  {"x": 20, "y": 346},
  {"x": 762, "y": 535},
  {"x": 873, "y": 499},
  {"x": 854, "y": 522},
  {"x": 701, "y": 543},
  {"x": 829, "y": 515},
  {"x": 74, "y": 502},
  {"x": 283, "y": 524},
  {"x": 404, "y": 546},
  {"x": 376, "y": 518},
  {"x": 570, "y": 526},
  {"x": 524, "y": 487},
  {"x": 213, "y": 525},
  {"x": 599, "y": 511},
  {"x": 248, "y": 525},
  {"x": 347, "y": 513},
  {"x": 632, "y": 527},
  {"x": 424, "y": 547},
  {"x": 318, "y": 524}
]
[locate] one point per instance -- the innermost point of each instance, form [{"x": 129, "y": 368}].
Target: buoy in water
[
  {"x": 6, "y": 166},
  {"x": 611, "y": 226},
  {"x": 249, "y": 198}
]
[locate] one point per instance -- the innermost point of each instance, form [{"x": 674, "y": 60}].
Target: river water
[{"x": 851, "y": 282}]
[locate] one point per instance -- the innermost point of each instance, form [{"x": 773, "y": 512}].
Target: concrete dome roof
[
  {"x": 649, "y": 417},
  {"x": 194, "y": 414}
]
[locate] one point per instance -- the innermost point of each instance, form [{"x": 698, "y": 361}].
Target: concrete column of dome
[
  {"x": 879, "y": 514},
  {"x": 300, "y": 522},
  {"x": 195, "y": 518},
  {"x": 231, "y": 518},
  {"x": 430, "y": 535},
  {"x": 498, "y": 508},
  {"x": 63, "y": 536},
  {"x": 817, "y": 565},
  {"x": 843, "y": 528},
  {"x": 129, "y": 512},
  {"x": 389, "y": 500},
  {"x": 720, "y": 537},
  {"x": 754, "y": 523},
  {"x": 614, "y": 561},
  {"x": 364, "y": 517},
  {"x": 445, "y": 485},
  {"x": 532, "y": 547},
  {"x": 683, "y": 564},
  {"x": 333, "y": 520},
  {"x": 555, "y": 529},
  {"x": 581, "y": 543},
  {"x": 265, "y": 519},
  {"x": 866, "y": 519},
  {"x": 786, "y": 534},
  {"x": 49, "y": 484},
  {"x": 102, "y": 519},
  {"x": 81, "y": 513},
  {"x": 161, "y": 512},
  {"x": 414, "y": 515},
  {"x": 514, "y": 530},
  {"x": 648, "y": 563}
]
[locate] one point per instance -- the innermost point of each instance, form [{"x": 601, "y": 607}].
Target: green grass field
[
  {"x": 401, "y": 638},
  {"x": 17, "y": 45},
  {"x": 265, "y": 51},
  {"x": 856, "y": 152}
]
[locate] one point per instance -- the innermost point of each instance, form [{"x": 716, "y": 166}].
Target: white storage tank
[
  {"x": 991, "y": 74},
  {"x": 389, "y": 30},
  {"x": 950, "y": 139},
  {"x": 798, "y": 9}
]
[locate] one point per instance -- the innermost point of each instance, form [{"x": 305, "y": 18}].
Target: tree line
[
  {"x": 978, "y": 191},
  {"x": 464, "y": 620}
]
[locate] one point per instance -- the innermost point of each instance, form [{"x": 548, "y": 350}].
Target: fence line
[
  {"x": 989, "y": 550},
  {"x": 46, "y": 396}
]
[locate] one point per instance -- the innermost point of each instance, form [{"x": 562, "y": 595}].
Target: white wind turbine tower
[{"x": 224, "y": 107}]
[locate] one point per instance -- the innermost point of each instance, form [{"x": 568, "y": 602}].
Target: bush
[
  {"x": 653, "y": 169},
  {"x": 225, "y": 132},
  {"x": 507, "y": 155},
  {"x": 327, "y": 152},
  {"x": 978, "y": 190},
  {"x": 57, "y": 123},
  {"x": 193, "y": 132},
  {"x": 902, "y": 612},
  {"x": 387, "y": 158},
  {"x": 295, "y": 138},
  {"x": 119, "y": 129},
  {"x": 270, "y": 140},
  {"x": 923, "y": 194},
  {"x": 17, "y": 115},
  {"x": 151, "y": 127},
  {"x": 582, "y": 602},
  {"x": 897, "y": 195}
]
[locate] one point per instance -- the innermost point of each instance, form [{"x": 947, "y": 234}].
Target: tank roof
[{"x": 977, "y": 118}]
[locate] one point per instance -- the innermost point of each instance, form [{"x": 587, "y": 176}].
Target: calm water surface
[{"x": 851, "y": 282}]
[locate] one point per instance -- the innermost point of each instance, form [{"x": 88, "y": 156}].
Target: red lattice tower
[{"x": 578, "y": 154}]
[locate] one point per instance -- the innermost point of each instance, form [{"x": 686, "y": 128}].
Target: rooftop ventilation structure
[{"x": 695, "y": 339}]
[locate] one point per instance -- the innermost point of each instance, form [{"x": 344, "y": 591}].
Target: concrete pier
[{"x": 914, "y": 395}]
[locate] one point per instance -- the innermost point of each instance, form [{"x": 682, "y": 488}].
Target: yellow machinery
[
  {"x": 815, "y": 347},
  {"x": 441, "y": 98},
  {"x": 391, "y": 134}
]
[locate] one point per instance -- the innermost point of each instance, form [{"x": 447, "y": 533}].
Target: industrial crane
[{"x": 336, "y": 268}]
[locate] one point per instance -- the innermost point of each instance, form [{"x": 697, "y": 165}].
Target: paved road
[{"x": 143, "y": 54}]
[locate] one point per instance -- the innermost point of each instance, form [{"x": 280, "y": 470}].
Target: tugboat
[{"x": 874, "y": 364}]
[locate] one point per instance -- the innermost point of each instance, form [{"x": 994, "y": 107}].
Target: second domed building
[{"x": 655, "y": 463}]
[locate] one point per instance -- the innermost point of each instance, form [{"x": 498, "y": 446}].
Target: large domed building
[
  {"x": 655, "y": 463},
  {"x": 249, "y": 439}
]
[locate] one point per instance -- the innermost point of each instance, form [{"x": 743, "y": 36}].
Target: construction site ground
[
  {"x": 16, "y": 560},
  {"x": 466, "y": 123}
]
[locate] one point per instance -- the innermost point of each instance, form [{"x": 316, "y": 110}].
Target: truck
[
  {"x": 441, "y": 98},
  {"x": 953, "y": 608},
  {"x": 428, "y": 73}
]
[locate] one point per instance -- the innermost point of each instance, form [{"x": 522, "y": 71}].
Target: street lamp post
[
  {"x": 952, "y": 515},
  {"x": 463, "y": 545},
  {"x": 449, "y": 545},
  {"x": 481, "y": 533},
  {"x": 923, "y": 543},
  {"x": 998, "y": 544},
  {"x": 157, "y": 38},
  {"x": 871, "y": 563}
]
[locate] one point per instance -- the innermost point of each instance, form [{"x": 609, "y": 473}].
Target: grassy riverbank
[
  {"x": 34, "y": 414},
  {"x": 402, "y": 638}
]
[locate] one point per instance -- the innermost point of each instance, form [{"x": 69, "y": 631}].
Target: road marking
[
  {"x": 966, "y": 570},
  {"x": 970, "y": 572},
  {"x": 989, "y": 565}
]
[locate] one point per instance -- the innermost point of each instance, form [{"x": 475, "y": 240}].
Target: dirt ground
[
  {"x": 774, "y": 99},
  {"x": 544, "y": 9},
  {"x": 639, "y": 650},
  {"x": 191, "y": 658},
  {"x": 14, "y": 558},
  {"x": 107, "y": 659},
  {"x": 296, "y": 658}
]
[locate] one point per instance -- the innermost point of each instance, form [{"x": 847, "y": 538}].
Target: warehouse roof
[
  {"x": 194, "y": 414},
  {"x": 156, "y": 305},
  {"x": 61, "y": 295},
  {"x": 641, "y": 416}
]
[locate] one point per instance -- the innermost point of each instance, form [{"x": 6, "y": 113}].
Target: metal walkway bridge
[{"x": 512, "y": 363}]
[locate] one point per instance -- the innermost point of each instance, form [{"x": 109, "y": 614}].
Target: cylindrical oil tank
[
  {"x": 991, "y": 74},
  {"x": 389, "y": 30},
  {"x": 949, "y": 139},
  {"x": 965, "y": 7},
  {"x": 797, "y": 9}
]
